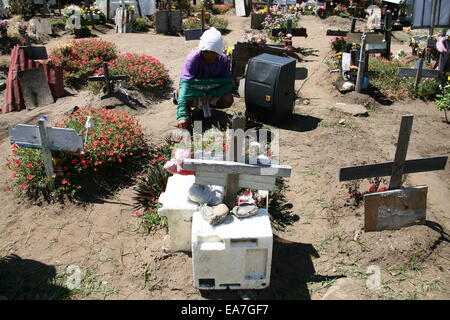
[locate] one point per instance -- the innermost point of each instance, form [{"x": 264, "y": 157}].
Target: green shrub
[
  {"x": 140, "y": 24},
  {"x": 217, "y": 22},
  {"x": 146, "y": 72},
  {"x": 59, "y": 24},
  {"x": 25, "y": 8},
  {"x": 387, "y": 80},
  {"x": 443, "y": 101},
  {"x": 81, "y": 58},
  {"x": 150, "y": 186}
]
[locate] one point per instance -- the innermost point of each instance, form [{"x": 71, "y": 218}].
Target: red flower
[
  {"x": 24, "y": 185},
  {"x": 372, "y": 188},
  {"x": 138, "y": 213},
  {"x": 64, "y": 181},
  {"x": 8, "y": 164},
  {"x": 6, "y": 188},
  {"x": 30, "y": 177},
  {"x": 383, "y": 189}
]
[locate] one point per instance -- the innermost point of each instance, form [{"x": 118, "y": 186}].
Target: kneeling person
[{"x": 206, "y": 78}]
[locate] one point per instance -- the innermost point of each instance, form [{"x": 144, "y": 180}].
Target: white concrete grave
[
  {"x": 178, "y": 209},
  {"x": 236, "y": 254}
]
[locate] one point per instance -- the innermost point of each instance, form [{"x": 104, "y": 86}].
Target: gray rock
[
  {"x": 345, "y": 289},
  {"x": 245, "y": 211},
  {"x": 205, "y": 195},
  {"x": 353, "y": 109},
  {"x": 214, "y": 215}
]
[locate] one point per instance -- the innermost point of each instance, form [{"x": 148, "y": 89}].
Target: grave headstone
[
  {"x": 123, "y": 19},
  {"x": 398, "y": 207},
  {"x": 35, "y": 89},
  {"x": 42, "y": 27},
  {"x": 240, "y": 8}
]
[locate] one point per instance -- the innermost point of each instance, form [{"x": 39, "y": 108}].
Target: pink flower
[
  {"x": 138, "y": 213},
  {"x": 64, "y": 181}
]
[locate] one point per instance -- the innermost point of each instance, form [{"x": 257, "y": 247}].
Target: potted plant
[
  {"x": 443, "y": 103},
  {"x": 167, "y": 18}
]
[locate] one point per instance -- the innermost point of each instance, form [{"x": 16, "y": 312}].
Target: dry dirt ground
[{"x": 318, "y": 239}]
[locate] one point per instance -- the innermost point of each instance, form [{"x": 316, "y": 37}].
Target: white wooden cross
[{"x": 47, "y": 139}]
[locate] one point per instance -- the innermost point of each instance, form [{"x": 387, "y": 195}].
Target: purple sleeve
[
  {"x": 225, "y": 69},
  {"x": 195, "y": 67},
  {"x": 190, "y": 65}
]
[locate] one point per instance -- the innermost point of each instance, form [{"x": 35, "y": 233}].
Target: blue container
[{"x": 365, "y": 83}]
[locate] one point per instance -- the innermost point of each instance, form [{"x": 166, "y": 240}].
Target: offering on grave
[
  {"x": 203, "y": 194},
  {"x": 246, "y": 206},
  {"x": 214, "y": 215},
  {"x": 176, "y": 165}
]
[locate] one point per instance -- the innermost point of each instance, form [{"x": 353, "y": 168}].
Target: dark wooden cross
[
  {"x": 195, "y": 34},
  {"x": 397, "y": 207},
  {"x": 34, "y": 52},
  {"x": 419, "y": 72},
  {"x": 399, "y": 166},
  {"x": 108, "y": 79}
]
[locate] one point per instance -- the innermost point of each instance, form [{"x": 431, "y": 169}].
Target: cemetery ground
[{"x": 319, "y": 240}]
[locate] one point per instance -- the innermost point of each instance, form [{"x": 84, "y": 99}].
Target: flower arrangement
[
  {"x": 146, "y": 72},
  {"x": 115, "y": 138},
  {"x": 260, "y": 38},
  {"x": 4, "y": 28},
  {"x": 277, "y": 19},
  {"x": 339, "y": 44},
  {"x": 22, "y": 29},
  {"x": 81, "y": 58},
  {"x": 71, "y": 10}
]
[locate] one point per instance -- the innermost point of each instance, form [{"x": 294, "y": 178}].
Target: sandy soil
[{"x": 320, "y": 237}]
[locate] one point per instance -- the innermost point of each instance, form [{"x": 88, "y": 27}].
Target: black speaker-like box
[{"x": 269, "y": 88}]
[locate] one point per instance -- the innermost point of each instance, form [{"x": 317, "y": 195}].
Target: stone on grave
[
  {"x": 246, "y": 211},
  {"x": 202, "y": 194},
  {"x": 353, "y": 109},
  {"x": 214, "y": 215}
]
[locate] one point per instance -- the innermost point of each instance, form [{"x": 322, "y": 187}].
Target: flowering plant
[
  {"x": 115, "y": 138},
  {"x": 339, "y": 44},
  {"x": 71, "y": 10},
  {"x": 81, "y": 58},
  {"x": 3, "y": 28},
  {"x": 278, "y": 20},
  {"x": 22, "y": 28},
  {"x": 145, "y": 71},
  {"x": 260, "y": 38}
]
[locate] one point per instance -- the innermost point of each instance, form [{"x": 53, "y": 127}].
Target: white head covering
[{"x": 212, "y": 40}]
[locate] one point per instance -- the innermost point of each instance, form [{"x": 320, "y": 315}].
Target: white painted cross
[{"x": 47, "y": 139}]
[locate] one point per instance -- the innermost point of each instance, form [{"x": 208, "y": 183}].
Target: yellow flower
[
  {"x": 229, "y": 50},
  {"x": 408, "y": 29}
]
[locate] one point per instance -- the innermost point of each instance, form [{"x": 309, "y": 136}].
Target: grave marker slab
[
  {"x": 396, "y": 207},
  {"x": 35, "y": 89}
]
